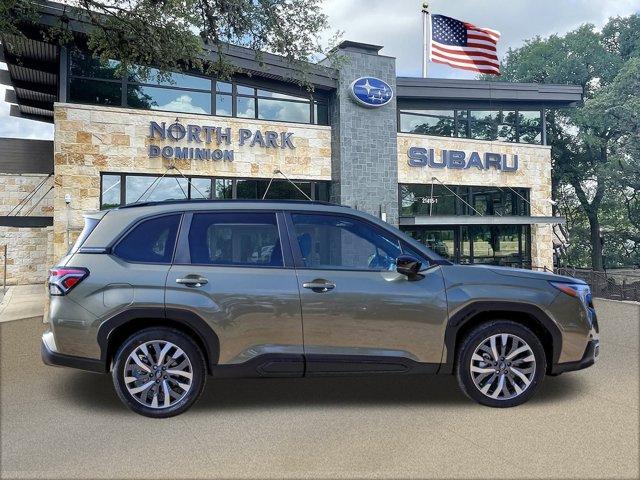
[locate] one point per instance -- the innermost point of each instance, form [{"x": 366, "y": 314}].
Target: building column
[{"x": 364, "y": 140}]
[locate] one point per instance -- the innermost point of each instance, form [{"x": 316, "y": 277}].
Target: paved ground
[
  {"x": 22, "y": 301},
  {"x": 61, "y": 423}
]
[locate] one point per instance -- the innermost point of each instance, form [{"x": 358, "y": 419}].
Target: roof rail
[{"x": 225, "y": 200}]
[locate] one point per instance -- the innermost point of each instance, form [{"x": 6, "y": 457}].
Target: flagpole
[{"x": 426, "y": 37}]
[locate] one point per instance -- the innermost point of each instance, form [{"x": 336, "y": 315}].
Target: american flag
[{"x": 463, "y": 45}]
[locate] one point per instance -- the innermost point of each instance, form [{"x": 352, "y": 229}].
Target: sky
[{"x": 397, "y": 25}]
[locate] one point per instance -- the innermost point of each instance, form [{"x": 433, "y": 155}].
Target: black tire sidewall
[
  {"x": 176, "y": 337},
  {"x": 471, "y": 342}
]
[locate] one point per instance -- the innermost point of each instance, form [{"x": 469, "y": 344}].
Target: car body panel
[
  {"x": 253, "y": 311},
  {"x": 375, "y": 314}
]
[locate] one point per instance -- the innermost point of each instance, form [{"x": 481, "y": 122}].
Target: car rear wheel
[
  {"x": 500, "y": 364},
  {"x": 159, "y": 372}
]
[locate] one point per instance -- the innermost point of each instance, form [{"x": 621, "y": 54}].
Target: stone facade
[
  {"x": 364, "y": 140},
  {"x": 89, "y": 140},
  {"x": 29, "y": 250},
  {"x": 534, "y": 173}
]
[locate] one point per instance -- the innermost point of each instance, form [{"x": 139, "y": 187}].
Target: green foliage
[
  {"x": 596, "y": 146},
  {"x": 172, "y": 35}
]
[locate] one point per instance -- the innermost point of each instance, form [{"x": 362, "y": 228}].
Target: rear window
[{"x": 151, "y": 241}]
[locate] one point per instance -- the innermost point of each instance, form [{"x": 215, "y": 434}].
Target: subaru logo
[{"x": 371, "y": 92}]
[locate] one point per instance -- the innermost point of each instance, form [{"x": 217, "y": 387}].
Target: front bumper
[
  {"x": 53, "y": 358},
  {"x": 589, "y": 358}
]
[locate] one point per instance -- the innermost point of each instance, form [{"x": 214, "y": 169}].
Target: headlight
[{"x": 578, "y": 290}]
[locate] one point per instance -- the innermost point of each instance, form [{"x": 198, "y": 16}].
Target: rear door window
[
  {"x": 151, "y": 241},
  {"x": 235, "y": 239}
]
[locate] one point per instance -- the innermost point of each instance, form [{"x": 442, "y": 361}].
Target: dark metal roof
[
  {"x": 469, "y": 91},
  {"x": 33, "y": 73},
  {"x": 19, "y": 155}
]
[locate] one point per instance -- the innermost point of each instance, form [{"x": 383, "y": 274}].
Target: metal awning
[{"x": 480, "y": 220}]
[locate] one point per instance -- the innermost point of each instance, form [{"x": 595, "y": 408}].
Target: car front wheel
[
  {"x": 159, "y": 372},
  {"x": 500, "y": 364}
]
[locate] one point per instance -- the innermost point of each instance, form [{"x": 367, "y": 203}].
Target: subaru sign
[{"x": 371, "y": 92}]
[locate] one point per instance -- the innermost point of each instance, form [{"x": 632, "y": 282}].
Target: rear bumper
[
  {"x": 589, "y": 358},
  {"x": 49, "y": 357}
]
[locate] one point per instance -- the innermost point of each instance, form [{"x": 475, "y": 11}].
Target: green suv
[{"x": 163, "y": 294}]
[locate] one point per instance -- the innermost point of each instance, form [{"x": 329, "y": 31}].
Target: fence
[{"x": 613, "y": 284}]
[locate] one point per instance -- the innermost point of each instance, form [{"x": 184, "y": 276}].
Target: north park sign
[
  {"x": 201, "y": 135},
  {"x": 457, "y": 159}
]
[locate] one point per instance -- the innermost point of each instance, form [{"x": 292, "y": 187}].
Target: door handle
[
  {"x": 319, "y": 286},
  {"x": 192, "y": 281}
]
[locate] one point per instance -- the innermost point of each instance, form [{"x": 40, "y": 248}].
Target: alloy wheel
[
  {"x": 158, "y": 374},
  {"x": 503, "y": 366}
]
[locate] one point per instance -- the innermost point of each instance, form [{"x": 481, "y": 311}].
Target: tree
[
  {"x": 172, "y": 35},
  {"x": 594, "y": 146}
]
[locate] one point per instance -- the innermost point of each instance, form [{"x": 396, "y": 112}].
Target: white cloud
[{"x": 184, "y": 103}]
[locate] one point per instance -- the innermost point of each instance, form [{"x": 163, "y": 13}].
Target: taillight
[{"x": 63, "y": 279}]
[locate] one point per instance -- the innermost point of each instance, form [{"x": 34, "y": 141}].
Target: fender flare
[
  {"x": 191, "y": 320},
  {"x": 470, "y": 311}
]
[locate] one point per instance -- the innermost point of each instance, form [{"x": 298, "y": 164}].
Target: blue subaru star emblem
[{"x": 371, "y": 92}]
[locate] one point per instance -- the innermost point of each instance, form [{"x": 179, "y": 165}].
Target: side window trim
[
  {"x": 295, "y": 247},
  {"x": 111, "y": 248},
  {"x": 183, "y": 253}
]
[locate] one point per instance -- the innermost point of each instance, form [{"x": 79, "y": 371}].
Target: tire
[
  {"x": 520, "y": 364},
  {"x": 145, "y": 389}
]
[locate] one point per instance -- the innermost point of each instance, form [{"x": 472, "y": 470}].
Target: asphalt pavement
[{"x": 62, "y": 423}]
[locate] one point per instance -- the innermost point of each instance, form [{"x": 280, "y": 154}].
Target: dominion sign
[{"x": 200, "y": 136}]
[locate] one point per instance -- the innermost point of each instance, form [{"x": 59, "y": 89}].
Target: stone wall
[
  {"x": 29, "y": 250},
  {"x": 364, "y": 140},
  {"x": 92, "y": 139},
  {"x": 534, "y": 173}
]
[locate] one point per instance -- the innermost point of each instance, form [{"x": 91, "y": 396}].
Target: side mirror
[{"x": 409, "y": 266}]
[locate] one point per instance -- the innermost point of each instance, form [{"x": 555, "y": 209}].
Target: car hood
[{"x": 522, "y": 273}]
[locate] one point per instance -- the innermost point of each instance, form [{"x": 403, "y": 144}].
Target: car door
[
  {"x": 234, "y": 270},
  {"x": 358, "y": 313}
]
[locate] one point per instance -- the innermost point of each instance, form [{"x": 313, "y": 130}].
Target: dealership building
[{"x": 461, "y": 165}]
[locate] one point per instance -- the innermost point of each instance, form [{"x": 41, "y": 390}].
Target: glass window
[
  {"x": 223, "y": 87},
  {"x": 529, "y": 127},
  {"x": 428, "y": 122},
  {"x": 245, "y": 107},
  {"x": 247, "y": 189},
  {"x": 239, "y": 239},
  {"x": 110, "y": 191},
  {"x": 153, "y": 189},
  {"x": 283, "y": 110},
  {"x": 322, "y": 191},
  {"x": 321, "y": 113},
  {"x": 506, "y": 124},
  {"x": 496, "y": 245},
  {"x": 418, "y": 200},
  {"x": 441, "y": 242},
  {"x": 83, "y": 64},
  {"x": 157, "y": 98},
  {"x": 223, "y": 188},
  {"x": 267, "y": 93},
  {"x": 152, "y": 75},
  {"x": 200, "y": 188},
  {"x": 337, "y": 242},
  {"x": 223, "y": 105},
  {"x": 242, "y": 90},
  {"x": 483, "y": 125},
  {"x": 152, "y": 241},
  {"x": 462, "y": 119},
  {"x": 95, "y": 92},
  {"x": 283, "y": 190}
]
